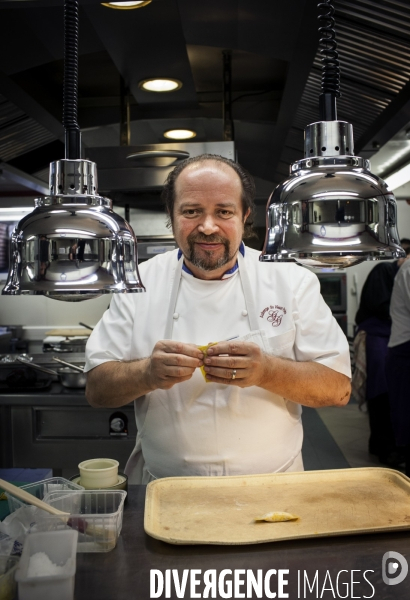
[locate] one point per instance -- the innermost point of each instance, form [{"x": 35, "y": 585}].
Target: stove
[
  {"x": 17, "y": 377},
  {"x": 61, "y": 344},
  {"x": 45, "y": 359}
]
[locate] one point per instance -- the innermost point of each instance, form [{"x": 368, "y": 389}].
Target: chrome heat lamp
[
  {"x": 72, "y": 246},
  {"x": 332, "y": 212}
]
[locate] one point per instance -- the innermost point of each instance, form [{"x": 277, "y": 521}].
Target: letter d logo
[{"x": 389, "y": 568}]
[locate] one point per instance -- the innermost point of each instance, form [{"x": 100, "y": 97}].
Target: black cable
[
  {"x": 330, "y": 62},
  {"x": 70, "y": 94},
  {"x": 227, "y": 96},
  {"x": 253, "y": 94}
]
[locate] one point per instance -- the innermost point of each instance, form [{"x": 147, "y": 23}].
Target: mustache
[{"x": 210, "y": 239}]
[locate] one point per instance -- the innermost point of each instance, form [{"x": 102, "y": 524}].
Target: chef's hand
[
  {"x": 244, "y": 365},
  {"x": 172, "y": 362}
]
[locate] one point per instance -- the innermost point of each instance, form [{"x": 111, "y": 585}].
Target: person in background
[
  {"x": 373, "y": 318},
  {"x": 44, "y": 258},
  {"x": 73, "y": 251},
  {"x": 398, "y": 361}
]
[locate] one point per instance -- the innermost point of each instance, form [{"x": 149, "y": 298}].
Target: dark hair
[
  {"x": 247, "y": 182},
  {"x": 405, "y": 241}
]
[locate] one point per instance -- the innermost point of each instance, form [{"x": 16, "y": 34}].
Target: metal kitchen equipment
[
  {"x": 73, "y": 246},
  {"x": 86, "y": 326},
  {"x": 71, "y": 378},
  {"x": 69, "y": 344},
  {"x": 18, "y": 378},
  {"x": 67, "y": 364},
  {"x": 332, "y": 211},
  {"x": 68, "y": 377},
  {"x": 127, "y": 173}
]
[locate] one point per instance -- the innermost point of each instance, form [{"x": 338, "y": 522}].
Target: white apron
[{"x": 199, "y": 428}]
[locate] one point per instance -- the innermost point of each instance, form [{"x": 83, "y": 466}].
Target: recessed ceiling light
[
  {"x": 160, "y": 85},
  {"x": 179, "y": 134},
  {"x": 127, "y": 5}
]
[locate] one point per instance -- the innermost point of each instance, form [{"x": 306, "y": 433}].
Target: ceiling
[{"x": 275, "y": 80}]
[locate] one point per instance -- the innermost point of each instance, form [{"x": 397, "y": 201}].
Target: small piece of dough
[
  {"x": 276, "y": 517},
  {"x": 204, "y": 349}
]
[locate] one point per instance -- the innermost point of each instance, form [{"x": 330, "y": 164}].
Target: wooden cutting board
[
  {"x": 70, "y": 332},
  {"x": 222, "y": 510}
]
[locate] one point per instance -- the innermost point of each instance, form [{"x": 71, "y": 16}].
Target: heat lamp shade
[
  {"x": 331, "y": 212},
  {"x": 70, "y": 249}
]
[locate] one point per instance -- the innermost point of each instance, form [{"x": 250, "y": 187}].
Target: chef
[{"x": 278, "y": 345}]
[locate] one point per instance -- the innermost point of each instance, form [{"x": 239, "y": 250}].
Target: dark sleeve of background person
[
  {"x": 80, "y": 249},
  {"x": 43, "y": 250},
  {"x": 376, "y": 293}
]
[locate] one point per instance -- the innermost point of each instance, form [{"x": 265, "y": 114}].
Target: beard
[{"x": 206, "y": 260}]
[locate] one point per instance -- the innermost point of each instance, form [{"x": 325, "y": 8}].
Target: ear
[{"x": 248, "y": 212}]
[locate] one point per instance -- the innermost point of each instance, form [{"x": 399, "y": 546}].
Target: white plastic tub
[{"x": 60, "y": 548}]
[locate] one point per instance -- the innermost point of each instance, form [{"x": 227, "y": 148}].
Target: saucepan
[{"x": 70, "y": 376}]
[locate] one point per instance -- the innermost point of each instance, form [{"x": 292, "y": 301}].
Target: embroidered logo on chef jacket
[{"x": 273, "y": 314}]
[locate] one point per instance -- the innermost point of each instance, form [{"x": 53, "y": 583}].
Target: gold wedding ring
[{"x": 234, "y": 374}]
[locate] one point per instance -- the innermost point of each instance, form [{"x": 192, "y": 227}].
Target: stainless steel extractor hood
[{"x": 145, "y": 168}]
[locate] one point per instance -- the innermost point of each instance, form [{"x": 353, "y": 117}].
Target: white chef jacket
[{"x": 199, "y": 428}]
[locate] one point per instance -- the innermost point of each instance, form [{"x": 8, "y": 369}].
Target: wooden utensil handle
[{"x": 30, "y": 499}]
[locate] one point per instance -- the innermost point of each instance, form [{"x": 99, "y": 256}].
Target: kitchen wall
[
  {"x": 146, "y": 222},
  {"x": 39, "y": 311}
]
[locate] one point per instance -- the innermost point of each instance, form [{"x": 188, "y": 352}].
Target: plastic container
[
  {"x": 96, "y": 514},
  {"x": 8, "y": 585},
  {"x": 60, "y": 548},
  {"x": 40, "y": 489}
]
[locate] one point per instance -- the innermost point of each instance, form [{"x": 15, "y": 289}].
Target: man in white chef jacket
[{"x": 284, "y": 349}]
